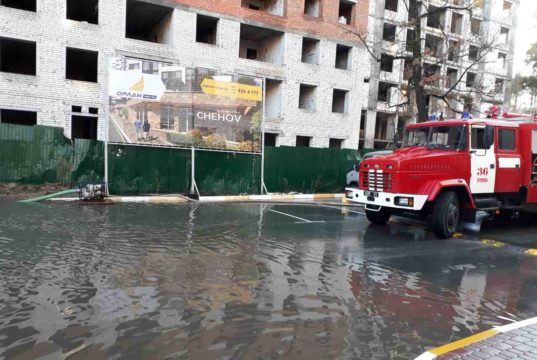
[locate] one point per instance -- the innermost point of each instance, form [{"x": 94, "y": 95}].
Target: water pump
[{"x": 89, "y": 192}]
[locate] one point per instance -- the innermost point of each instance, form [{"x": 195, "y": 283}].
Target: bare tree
[{"x": 425, "y": 53}]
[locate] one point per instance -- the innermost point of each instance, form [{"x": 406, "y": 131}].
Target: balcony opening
[
  {"x": 346, "y": 11},
  {"x": 431, "y": 74},
  {"x": 388, "y": 32},
  {"x": 261, "y": 44},
  {"x": 507, "y": 7},
  {"x": 436, "y": 17},
  {"x": 504, "y": 35},
  {"x": 381, "y": 129},
  {"x": 451, "y": 77},
  {"x": 343, "y": 57},
  {"x": 454, "y": 50},
  {"x": 310, "y": 51},
  {"x": 149, "y": 22},
  {"x": 407, "y": 73},
  {"x": 335, "y": 143},
  {"x": 81, "y": 65},
  {"x": 312, "y": 8},
  {"x": 307, "y": 97},
  {"x": 17, "y": 56},
  {"x": 475, "y": 27},
  {"x": 274, "y": 7},
  {"x": 391, "y": 5},
  {"x": 18, "y": 117},
  {"x": 502, "y": 59},
  {"x": 363, "y": 120},
  {"x": 470, "y": 79},
  {"x": 386, "y": 63},
  {"x": 499, "y": 85},
  {"x": 271, "y": 139},
  {"x": 28, "y": 5},
  {"x": 384, "y": 91},
  {"x": 206, "y": 29},
  {"x": 340, "y": 101},
  {"x": 84, "y": 127},
  {"x": 473, "y": 53},
  {"x": 87, "y": 11},
  {"x": 433, "y": 45},
  {"x": 303, "y": 141},
  {"x": 410, "y": 40},
  {"x": 456, "y": 23},
  {"x": 273, "y": 99}
]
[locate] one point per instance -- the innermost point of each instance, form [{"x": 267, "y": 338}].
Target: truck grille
[{"x": 377, "y": 180}]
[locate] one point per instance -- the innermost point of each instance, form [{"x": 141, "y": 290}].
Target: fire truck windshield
[{"x": 437, "y": 137}]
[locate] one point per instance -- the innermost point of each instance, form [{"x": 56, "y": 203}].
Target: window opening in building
[
  {"x": 335, "y": 143},
  {"x": 28, "y": 5},
  {"x": 149, "y": 22},
  {"x": 498, "y": 85},
  {"x": 433, "y": 45},
  {"x": 388, "y": 32},
  {"x": 310, "y": 50},
  {"x": 408, "y": 69},
  {"x": 456, "y": 23},
  {"x": 87, "y": 10},
  {"x": 451, "y": 77},
  {"x": 475, "y": 27},
  {"x": 206, "y": 29},
  {"x": 307, "y": 97},
  {"x": 93, "y": 110},
  {"x": 346, "y": 11},
  {"x": 18, "y": 117},
  {"x": 83, "y": 127},
  {"x": 391, "y": 5},
  {"x": 386, "y": 62},
  {"x": 363, "y": 119},
  {"x": 381, "y": 127},
  {"x": 312, "y": 8},
  {"x": 76, "y": 108},
  {"x": 274, "y": 7},
  {"x": 261, "y": 44},
  {"x": 273, "y": 99},
  {"x": 436, "y": 17},
  {"x": 410, "y": 40},
  {"x": 384, "y": 91},
  {"x": 340, "y": 99},
  {"x": 343, "y": 57},
  {"x": 473, "y": 53},
  {"x": 504, "y": 35},
  {"x": 502, "y": 58},
  {"x": 453, "y": 50},
  {"x": 431, "y": 74},
  {"x": 303, "y": 141},
  {"x": 270, "y": 139},
  {"x": 17, "y": 56},
  {"x": 470, "y": 79},
  {"x": 506, "y": 139},
  {"x": 81, "y": 65},
  {"x": 507, "y": 7}
]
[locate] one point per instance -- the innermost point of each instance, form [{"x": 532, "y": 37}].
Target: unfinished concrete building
[
  {"x": 454, "y": 36},
  {"x": 55, "y": 54}
]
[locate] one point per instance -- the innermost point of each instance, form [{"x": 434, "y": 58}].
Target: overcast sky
[{"x": 526, "y": 34}]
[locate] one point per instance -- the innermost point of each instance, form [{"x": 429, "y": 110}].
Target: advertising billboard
[{"x": 162, "y": 104}]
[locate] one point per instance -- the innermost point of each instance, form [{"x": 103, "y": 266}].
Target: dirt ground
[{"x": 25, "y": 191}]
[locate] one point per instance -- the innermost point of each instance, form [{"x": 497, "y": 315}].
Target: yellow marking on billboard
[
  {"x": 138, "y": 86},
  {"x": 232, "y": 90}
]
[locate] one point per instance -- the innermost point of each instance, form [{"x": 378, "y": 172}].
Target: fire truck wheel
[
  {"x": 445, "y": 216},
  {"x": 380, "y": 217}
]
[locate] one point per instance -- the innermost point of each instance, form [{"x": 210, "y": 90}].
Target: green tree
[
  {"x": 531, "y": 57},
  {"x": 529, "y": 83}
]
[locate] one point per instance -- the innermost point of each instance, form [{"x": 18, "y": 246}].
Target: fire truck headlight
[{"x": 404, "y": 201}]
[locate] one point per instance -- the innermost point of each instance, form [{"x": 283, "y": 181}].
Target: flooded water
[{"x": 243, "y": 281}]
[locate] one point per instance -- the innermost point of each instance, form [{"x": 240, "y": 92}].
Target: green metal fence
[
  {"x": 228, "y": 173},
  {"x": 38, "y": 154},
  {"x": 307, "y": 170},
  {"x": 147, "y": 170}
]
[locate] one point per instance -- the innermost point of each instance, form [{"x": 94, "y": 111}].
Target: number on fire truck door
[{"x": 483, "y": 163}]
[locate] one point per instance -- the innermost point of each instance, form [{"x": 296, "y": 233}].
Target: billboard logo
[
  {"x": 126, "y": 84},
  {"x": 138, "y": 86}
]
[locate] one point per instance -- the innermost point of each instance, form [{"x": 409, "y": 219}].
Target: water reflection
[{"x": 238, "y": 281}]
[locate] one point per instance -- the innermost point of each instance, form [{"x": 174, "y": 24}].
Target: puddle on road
[{"x": 217, "y": 281}]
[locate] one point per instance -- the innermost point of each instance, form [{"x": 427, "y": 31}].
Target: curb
[
  {"x": 459, "y": 344},
  {"x": 248, "y": 198}
]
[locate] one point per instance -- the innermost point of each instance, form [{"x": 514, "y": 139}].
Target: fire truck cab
[{"x": 447, "y": 171}]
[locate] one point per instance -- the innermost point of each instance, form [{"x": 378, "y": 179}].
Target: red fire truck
[{"x": 447, "y": 171}]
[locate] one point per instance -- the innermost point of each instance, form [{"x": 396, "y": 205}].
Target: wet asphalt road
[{"x": 244, "y": 281}]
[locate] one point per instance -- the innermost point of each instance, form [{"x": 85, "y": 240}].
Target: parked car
[{"x": 352, "y": 176}]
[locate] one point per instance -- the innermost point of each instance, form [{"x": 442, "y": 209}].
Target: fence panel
[
  {"x": 34, "y": 154},
  {"x": 146, "y": 170},
  {"x": 88, "y": 162},
  {"x": 307, "y": 170},
  {"x": 228, "y": 173}
]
